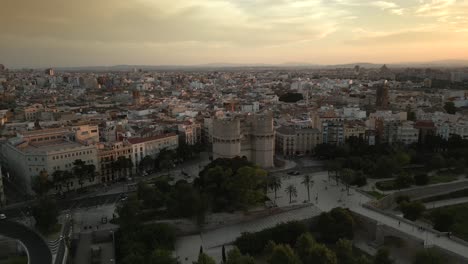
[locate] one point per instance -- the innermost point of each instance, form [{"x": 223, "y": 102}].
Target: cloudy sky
[{"x": 37, "y": 33}]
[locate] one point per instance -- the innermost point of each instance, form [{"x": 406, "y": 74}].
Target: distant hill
[{"x": 211, "y": 66}]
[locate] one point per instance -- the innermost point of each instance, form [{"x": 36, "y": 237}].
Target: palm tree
[
  {"x": 291, "y": 191},
  {"x": 274, "y": 183},
  {"x": 307, "y": 181},
  {"x": 57, "y": 177}
]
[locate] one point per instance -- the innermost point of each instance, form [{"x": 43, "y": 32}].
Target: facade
[
  {"x": 251, "y": 136},
  {"x": 151, "y": 146},
  {"x": 2, "y": 192},
  {"x": 190, "y": 133},
  {"x": 31, "y": 113},
  {"x": 387, "y": 130},
  {"x": 382, "y": 97},
  {"x": 47, "y": 150},
  {"x": 109, "y": 153},
  {"x": 354, "y": 129},
  {"x": 333, "y": 132},
  {"x": 407, "y": 134},
  {"x": 290, "y": 141},
  {"x": 426, "y": 128}
]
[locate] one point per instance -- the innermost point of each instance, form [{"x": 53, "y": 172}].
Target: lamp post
[{"x": 113, "y": 245}]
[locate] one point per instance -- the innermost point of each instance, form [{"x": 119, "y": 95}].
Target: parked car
[
  {"x": 294, "y": 173},
  {"x": 2, "y": 216}
]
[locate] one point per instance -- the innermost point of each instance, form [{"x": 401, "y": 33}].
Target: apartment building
[{"x": 151, "y": 146}]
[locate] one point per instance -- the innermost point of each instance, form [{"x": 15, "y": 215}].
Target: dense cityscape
[
  {"x": 234, "y": 132},
  {"x": 235, "y": 165}
]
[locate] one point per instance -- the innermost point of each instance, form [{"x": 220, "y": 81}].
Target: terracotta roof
[
  {"x": 146, "y": 139},
  {"x": 424, "y": 124}
]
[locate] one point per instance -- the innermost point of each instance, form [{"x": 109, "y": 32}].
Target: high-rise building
[
  {"x": 136, "y": 97},
  {"x": 50, "y": 72},
  {"x": 382, "y": 98}
]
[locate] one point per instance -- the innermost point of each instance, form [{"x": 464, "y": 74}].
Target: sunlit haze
[{"x": 159, "y": 32}]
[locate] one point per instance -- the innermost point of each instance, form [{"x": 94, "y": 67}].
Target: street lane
[{"x": 38, "y": 251}]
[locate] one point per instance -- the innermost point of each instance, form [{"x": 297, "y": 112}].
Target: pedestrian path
[
  {"x": 187, "y": 247},
  {"x": 442, "y": 203}
]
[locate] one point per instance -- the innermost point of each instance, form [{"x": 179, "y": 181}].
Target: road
[{"x": 38, "y": 251}]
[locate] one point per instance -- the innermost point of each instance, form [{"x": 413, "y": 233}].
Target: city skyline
[{"x": 145, "y": 32}]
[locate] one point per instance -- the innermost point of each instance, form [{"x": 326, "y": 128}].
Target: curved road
[{"x": 39, "y": 252}]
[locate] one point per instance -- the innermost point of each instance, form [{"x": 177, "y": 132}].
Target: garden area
[
  {"x": 434, "y": 161},
  {"x": 405, "y": 180},
  {"x": 452, "y": 218}
]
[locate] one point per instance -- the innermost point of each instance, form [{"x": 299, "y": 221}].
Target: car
[
  {"x": 294, "y": 173},
  {"x": 2, "y": 216}
]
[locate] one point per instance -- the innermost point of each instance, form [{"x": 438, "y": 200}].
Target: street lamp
[{"x": 113, "y": 244}]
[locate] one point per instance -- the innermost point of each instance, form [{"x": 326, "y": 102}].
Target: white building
[
  {"x": 407, "y": 134},
  {"x": 151, "y": 146},
  {"x": 44, "y": 150}
]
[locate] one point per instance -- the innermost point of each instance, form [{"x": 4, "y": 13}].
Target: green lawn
[
  {"x": 15, "y": 260},
  {"x": 386, "y": 185},
  {"x": 442, "y": 178},
  {"x": 375, "y": 194},
  {"x": 53, "y": 233},
  {"x": 460, "y": 214}
]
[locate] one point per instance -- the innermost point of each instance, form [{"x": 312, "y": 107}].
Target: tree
[
  {"x": 437, "y": 162},
  {"x": 235, "y": 257},
  {"x": 383, "y": 257},
  {"x": 45, "y": 213},
  {"x": 385, "y": 167},
  {"x": 347, "y": 176},
  {"x": 162, "y": 256},
  {"x": 428, "y": 256},
  {"x": 402, "y": 158},
  {"x": 133, "y": 258},
  {"x": 363, "y": 260},
  {"x": 146, "y": 163},
  {"x": 291, "y": 97},
  {"x": 204, "y": 259},
  {"x": 81, "y": 171},
  {"x": 403, "y": 180},
  {"x": 344, "y": 251},
  {"x": 336, "y": 224},
  {"x": 274, "y": 183},
  {"x": 283, "y": 254},
  {"x": 303, "y": 245},
  {"x": 128, "y": 213},
  {"x": 166, "y": 164},
  {"x": 421, "y": 179},
  {"x": 450, "y": 108},
  {"x": 223, "y": 254},
  {"x": 443, "y": 220},
  {"x": 58, "y": 179},
  {"x": 307, "y": 181},
  {"x": 291, "y": 190},
  {"x": 321, "y": 254},
  {"x": 40, "y": 184},
  {"x": 152, "y": 197},
  {"x": 412, "y": 210}
]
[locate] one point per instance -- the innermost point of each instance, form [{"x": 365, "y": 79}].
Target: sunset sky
[{"x": 40, "y": 33}]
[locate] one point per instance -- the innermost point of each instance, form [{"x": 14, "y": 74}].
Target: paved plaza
[{"x": 325, "y": 195}]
